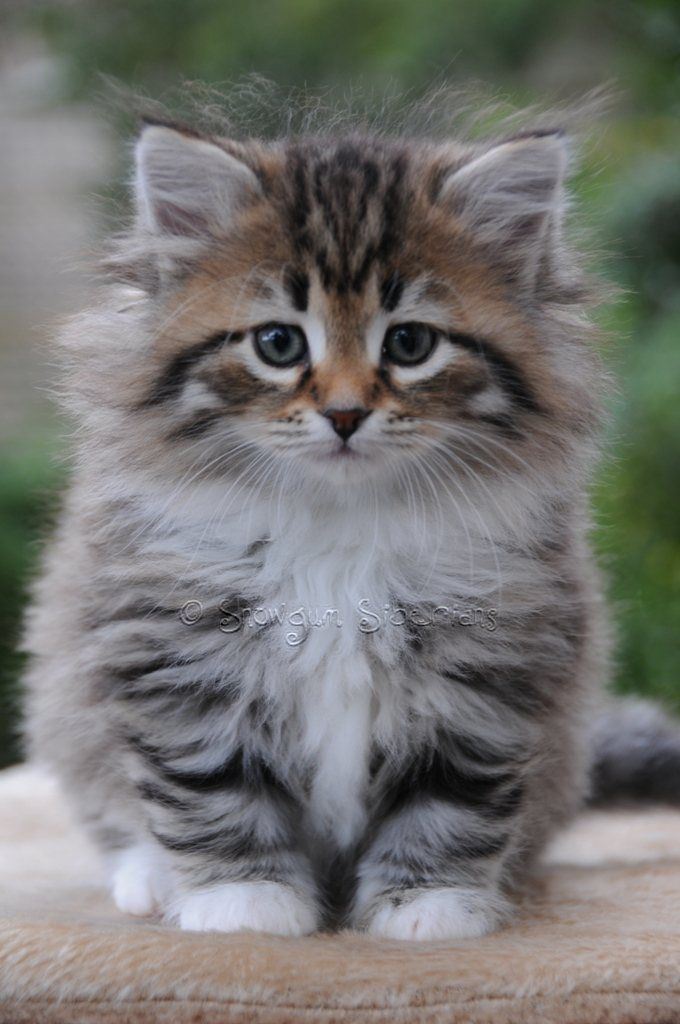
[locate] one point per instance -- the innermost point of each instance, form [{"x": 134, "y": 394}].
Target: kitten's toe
[
  {"x": 439, "y": 914},
  {"x": 258, "y": 906},
  {"x": 136, "y": 887}
]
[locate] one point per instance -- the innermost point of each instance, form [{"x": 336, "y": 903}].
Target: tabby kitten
[{"x": 318, "y": 639}]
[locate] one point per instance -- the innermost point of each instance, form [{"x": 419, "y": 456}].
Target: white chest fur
[
  {"x": 324, "y": 579},
  {"x": 321, "y": 577}
]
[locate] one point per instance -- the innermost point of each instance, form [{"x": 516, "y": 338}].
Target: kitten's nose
[{"x": 346, "y": 421}]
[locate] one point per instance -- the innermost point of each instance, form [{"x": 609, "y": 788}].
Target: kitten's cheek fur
[
  {"x": 441, "y": 914},
  {"x": 234, "y": 906}
]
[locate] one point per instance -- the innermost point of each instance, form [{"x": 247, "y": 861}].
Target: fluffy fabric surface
[{"x": 597, "y": 942}]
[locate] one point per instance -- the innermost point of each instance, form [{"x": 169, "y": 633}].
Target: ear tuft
[
  {"x": 187, "y": 186},
  {"x": 511, "y": 198}
]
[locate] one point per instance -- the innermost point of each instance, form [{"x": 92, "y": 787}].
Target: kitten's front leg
[
  {"x": 228, "y": 835},
  {"x": 433, "y": 866}
]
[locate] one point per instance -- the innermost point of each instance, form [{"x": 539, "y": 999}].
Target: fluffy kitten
[{"x": 319, "y": 636}]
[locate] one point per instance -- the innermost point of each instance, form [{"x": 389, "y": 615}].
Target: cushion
[{"x": 596, "y": 940}]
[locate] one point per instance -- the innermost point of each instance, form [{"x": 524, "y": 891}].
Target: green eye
[
  {"x": 409, "y": 344},
  {"x": 280, "y": 344}
]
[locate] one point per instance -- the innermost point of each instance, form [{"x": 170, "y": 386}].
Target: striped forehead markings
[{"x": 341, "y": 187}]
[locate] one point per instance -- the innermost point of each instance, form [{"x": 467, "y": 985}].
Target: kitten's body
[{"x": 388, "y": 764}]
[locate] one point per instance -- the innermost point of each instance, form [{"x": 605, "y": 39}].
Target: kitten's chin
[{"x": 342, "y": 466}]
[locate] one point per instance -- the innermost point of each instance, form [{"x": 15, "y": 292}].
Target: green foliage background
[{"x": 628, "y": 190}]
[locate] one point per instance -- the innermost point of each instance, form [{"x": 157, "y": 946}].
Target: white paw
[
  {"x": 440, "y": 914},
  {"x": 137, "y": 886},
  {"x": 259, "y": 906}
]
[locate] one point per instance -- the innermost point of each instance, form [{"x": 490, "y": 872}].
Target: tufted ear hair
[
  {"x": 186, "y": 186},
  {"x": 511, "y": 199}
]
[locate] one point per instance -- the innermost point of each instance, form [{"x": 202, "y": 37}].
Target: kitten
[{"x": 320, "y": 636}]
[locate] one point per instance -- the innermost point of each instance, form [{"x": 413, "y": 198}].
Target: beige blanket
[{"x": 597, "y": 941}]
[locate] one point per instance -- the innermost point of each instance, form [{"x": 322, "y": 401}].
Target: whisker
[
  {"x": 480, "y": 520},
  {"x": 473, "y": 435},
  {"x": 463, "y": 524}
]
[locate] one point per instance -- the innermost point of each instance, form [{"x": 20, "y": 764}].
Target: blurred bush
[
  {"x": 29, "y": 482},
  {"x": 629, "y": 189}
]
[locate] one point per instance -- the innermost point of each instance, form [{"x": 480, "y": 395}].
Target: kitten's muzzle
[{"x": 346, "y": 422}]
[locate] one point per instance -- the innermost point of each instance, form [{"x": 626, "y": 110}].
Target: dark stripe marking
[
  {"x": 228, "y": 844},
  {"x": 155, "y": 794},
  {"x": 175, "y": 374},
  {"x": 296, "y": 283},
  {"x": 432, "y": 775},
  {"x": 391, "y": 292},
  {"x": 514, "y": 690},
  {"x": 140, "y": 670},
  {"x": 475, "y": 849},
  {"x": 238, "y": 771},
  {"x": 384, "y": 375},
  {"x": 196, "y": 427},
  {"x": 506, "y": 373},
  {"x": 305, "y": 377}
]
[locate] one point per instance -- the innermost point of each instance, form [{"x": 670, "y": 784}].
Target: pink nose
[{"x": 346, "y": 421}]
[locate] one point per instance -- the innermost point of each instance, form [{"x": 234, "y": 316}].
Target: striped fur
[{"x": 292, "y": 677}]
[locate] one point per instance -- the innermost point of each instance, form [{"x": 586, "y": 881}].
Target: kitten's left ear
[
  {"x": 187, "y": 186},
  {"x": 511, "y": 198}
]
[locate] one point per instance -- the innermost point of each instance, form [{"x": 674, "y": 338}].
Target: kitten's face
[{"x": 349, "y": 320}]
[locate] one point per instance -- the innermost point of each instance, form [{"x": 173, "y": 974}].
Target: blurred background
[{"x": 63, "y": 157}]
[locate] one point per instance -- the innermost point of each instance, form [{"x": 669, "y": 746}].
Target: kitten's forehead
[
  {"x": 348, "y": 209},
  {"x": 349, "y": 226}
]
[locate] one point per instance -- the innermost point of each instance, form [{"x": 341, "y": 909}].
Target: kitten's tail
[{"x": 637, "y": 754}]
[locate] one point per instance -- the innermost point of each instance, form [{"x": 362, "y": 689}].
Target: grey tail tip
[{"x": 636, "y": 747}]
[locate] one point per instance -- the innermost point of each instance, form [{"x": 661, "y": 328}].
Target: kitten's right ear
[
  {"x": 186, "y": 186},
  {"x": 512, "y": 199}
]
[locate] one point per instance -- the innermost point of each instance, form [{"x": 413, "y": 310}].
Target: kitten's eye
[
  {"x": 409, "y": 344},
  {"x": 280, "y": 344}
]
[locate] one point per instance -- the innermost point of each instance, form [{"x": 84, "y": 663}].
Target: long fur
[{"x": 290, "y": 678}]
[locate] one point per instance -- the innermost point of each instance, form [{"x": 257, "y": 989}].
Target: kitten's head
[{"x": 353, "y": 307}]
